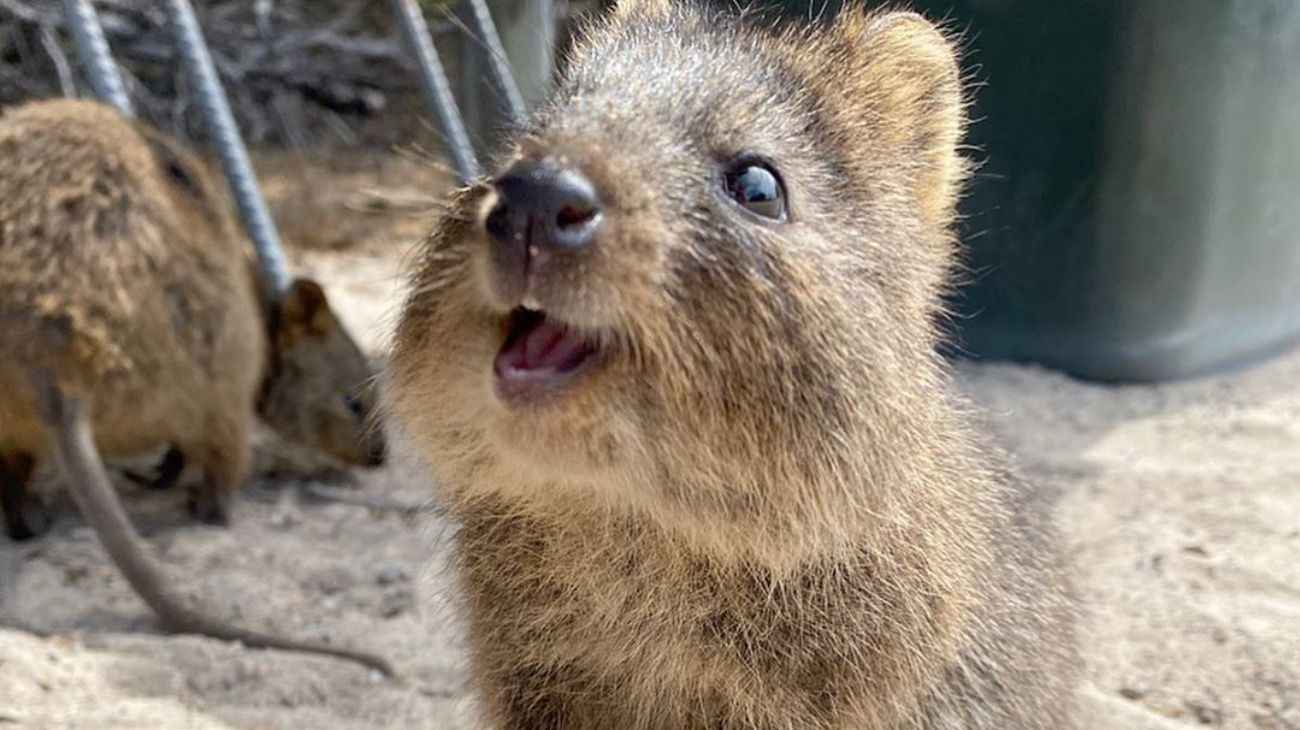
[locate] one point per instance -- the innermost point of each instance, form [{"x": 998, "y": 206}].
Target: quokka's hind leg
[
  {"x": 225, "y": 460},
  {"x": 24, "y": 515}
]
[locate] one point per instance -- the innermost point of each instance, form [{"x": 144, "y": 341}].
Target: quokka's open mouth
[{"x": 540, "y": 355}]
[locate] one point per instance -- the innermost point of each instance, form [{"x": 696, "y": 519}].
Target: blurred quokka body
[
  {"x": 674, "y": 368},
  {"x": 130, "y": 318},
  {"x": 124, "y": 277}
]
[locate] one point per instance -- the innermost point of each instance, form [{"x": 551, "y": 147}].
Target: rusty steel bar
[
  {"x": 94, "y": 55},
  {"x": 224, "y": 134},
  {"x": 436, "y": 90}
]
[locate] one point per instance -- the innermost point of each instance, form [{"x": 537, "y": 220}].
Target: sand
[{"x": 1180, "y": 504}]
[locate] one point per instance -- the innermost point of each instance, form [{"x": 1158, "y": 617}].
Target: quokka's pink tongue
[{"x": 541, "y": 345}]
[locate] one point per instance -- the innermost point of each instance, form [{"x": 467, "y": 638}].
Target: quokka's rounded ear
[
  {"x": 304, "y": 309},
  {"x": 624, "y": 8},
  {"x": 908, "y": 80},
  {"x": 907, "y": 43}
]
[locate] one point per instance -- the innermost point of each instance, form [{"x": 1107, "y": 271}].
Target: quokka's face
[{"x": 678, "y": 260}]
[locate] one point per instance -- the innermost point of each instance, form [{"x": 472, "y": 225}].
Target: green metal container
[{"x": 1137, "y": 214}]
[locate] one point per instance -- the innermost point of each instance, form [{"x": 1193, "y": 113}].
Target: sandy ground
[{"x": 1180, "y": 503}]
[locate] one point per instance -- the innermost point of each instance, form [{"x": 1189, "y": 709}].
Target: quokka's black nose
[{"x": 546, "y": 206}]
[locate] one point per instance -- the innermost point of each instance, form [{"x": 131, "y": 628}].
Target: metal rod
[
  {"x": 481, "y": 25},
  {"x": 437, "y": 92},
  {"x": 95, "y": 58},
  {"x": 223, "y": 132}
]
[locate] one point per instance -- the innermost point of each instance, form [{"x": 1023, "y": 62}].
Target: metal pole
[
  {"x": 94, "y": 55},
  {"x": 479, "y": 114},
  {"x": 437, "y": 92},
  {"x": 223, "y": 132},
  {"x": 481, "y": 25}
]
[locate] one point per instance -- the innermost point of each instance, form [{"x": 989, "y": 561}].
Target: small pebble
[
  {"x": 1204, "y": 714},
  {"x": 395, "y": 603},
  {"x": 1130, "y": 693},
  {"x": 390, "y": 575},
  {"x": 74, "y": 574},
  {"x": 332, "y": 580}
]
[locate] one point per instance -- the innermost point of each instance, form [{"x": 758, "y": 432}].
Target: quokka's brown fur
[
  {"x": 130, "y": 318},
  {"x": 768, "y": 508}
]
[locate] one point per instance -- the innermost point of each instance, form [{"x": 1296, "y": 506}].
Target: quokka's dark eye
[
  {"x": 756, "y": 186},
  {"x": 355, "y": 405}
]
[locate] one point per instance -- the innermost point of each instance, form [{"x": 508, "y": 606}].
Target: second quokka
[
  {"x": 674, "y": 367},
  {"x": 130, "y": 318}
]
